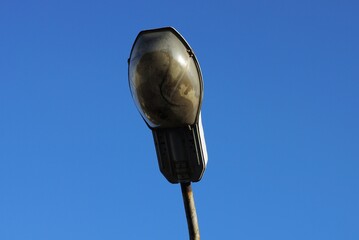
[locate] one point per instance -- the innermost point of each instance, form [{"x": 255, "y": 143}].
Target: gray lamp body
[
  {"x": 181, "y": 153},
  {"x": 166, "y": 85}
]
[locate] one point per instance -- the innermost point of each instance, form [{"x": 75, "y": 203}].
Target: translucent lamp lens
[{"x": 165, "y": 79}]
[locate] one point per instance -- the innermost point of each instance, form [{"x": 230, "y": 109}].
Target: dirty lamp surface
[
  {"x": 165, "y": 79},
  {"x": 166, "y": 85}
]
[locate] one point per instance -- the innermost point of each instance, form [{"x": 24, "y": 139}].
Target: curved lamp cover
[{"x": 165, "y": 79}]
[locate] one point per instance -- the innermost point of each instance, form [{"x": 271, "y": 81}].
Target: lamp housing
[{"x": 166, "y": 84}]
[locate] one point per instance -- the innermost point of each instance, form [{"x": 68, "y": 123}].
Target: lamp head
[{"x": 166, "y": 84}]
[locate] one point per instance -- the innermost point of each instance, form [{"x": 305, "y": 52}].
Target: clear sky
[{"x": 280, "y": 115}]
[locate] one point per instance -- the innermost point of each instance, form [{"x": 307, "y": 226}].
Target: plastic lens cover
[{"x": 165, "y": 79}]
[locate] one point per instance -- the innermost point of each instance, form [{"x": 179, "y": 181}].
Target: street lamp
[{"x": 166, "y": 84}]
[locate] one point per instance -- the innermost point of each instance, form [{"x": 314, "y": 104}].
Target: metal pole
[{"x": 190, "y": 209}]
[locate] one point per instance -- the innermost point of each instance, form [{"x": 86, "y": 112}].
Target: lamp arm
[{"x": 190, "y": 209}]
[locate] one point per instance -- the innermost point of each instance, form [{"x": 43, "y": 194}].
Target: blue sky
[{"x": 280, "y": 115}]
